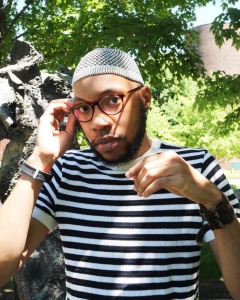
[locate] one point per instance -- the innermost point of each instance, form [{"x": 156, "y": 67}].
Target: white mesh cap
[{"x": 107, "y": 61}]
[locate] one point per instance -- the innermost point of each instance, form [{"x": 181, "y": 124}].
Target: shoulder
[
  {"x": 77, "y": 155},
  {"x": 72, "y": 158},
  {"x": 183, "y": 151}
]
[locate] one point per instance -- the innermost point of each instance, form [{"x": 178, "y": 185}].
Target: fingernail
[
  {"x": 71, "y": 100},
  {"x": 127, "y": 174}
]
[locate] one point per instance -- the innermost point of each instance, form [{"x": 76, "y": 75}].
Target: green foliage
[
  {"x": 81, "y": 139},
  {"x": 221, "y": 90},
  {"x": 223, "y": 32},
  {"x": 8, "y": 26},
  {"x": 178, "y": 121},
  {"x": 154, "y": 32}
]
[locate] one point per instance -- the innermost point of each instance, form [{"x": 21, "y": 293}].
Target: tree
[
  {"x": 178, "y": 121},
  {"x": 154, "y": 31},
  {"x": 64, "y": 30},
  {"x": 220, "y": 89}
]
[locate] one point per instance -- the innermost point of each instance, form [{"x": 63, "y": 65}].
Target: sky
[{"x": 206, "y": 14}]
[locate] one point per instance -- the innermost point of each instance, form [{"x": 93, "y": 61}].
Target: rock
[
  {"x": 43, "y": 275},
  {"x": 24, "y": 95}
]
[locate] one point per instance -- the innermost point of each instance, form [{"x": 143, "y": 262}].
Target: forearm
[
  {"x": 16, "y": 240},
  {"x": 15, "y": 216},
  {"x": 227, "y": 242}
]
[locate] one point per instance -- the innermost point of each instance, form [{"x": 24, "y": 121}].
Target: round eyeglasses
[{"x": 110, "y": 105}]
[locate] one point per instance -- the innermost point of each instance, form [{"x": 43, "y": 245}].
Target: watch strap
[
  {"x": 216, "y": 218},
  {"x": 35, "y": 173}
]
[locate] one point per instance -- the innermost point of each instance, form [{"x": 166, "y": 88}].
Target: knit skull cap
[{"x": 107, "y": 61}]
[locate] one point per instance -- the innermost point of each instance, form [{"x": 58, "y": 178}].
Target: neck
[{"x": 145, "y": 146}]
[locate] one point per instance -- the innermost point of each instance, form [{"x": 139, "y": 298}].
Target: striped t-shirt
[{"x": 120, "y": 246}]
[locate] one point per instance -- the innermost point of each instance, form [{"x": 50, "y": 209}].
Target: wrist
[
  {"x": 214, "y": 200},
  {"x": 41, "y": 162},
  {"x": 217, "y": 218},
  {"x": 34, "y": 173}
]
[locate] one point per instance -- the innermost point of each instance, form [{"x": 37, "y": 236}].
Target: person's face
[{"x": 116, "y": 138}]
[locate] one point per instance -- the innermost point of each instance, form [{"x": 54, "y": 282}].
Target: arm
[
  {"x": 19, "y": 236},
  {"x": 171, "y": 172},
  {"x": 226, "y": 248}
]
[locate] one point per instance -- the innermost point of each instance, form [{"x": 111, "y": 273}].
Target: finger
[
  {"x": 60, "y": 106},
  {"x": 48, "y": 121},
  {"x": 145, "y": 176},
  {"x": 67, "y": 101},
  {"x": 54, "y": 107},
  {"x": 54, "y": 111},
  {"x": 166, "y": 183},
  {"x": 70, "y": 126},
  {"x": 153, "y": 167},
  {"x": 157, "y": 167},
  {"x": 149, "y": 174},
  {"x": 134, "y": 170}
]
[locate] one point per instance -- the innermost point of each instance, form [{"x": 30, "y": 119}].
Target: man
[{"x": 128, "y": 207}]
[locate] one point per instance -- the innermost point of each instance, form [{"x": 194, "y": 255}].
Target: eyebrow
[
  {"x": 79, "y": 99},
  {"x": 108, "y": 91}
]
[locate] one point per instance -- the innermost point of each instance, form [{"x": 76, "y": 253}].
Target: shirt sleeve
[
  {"x": 214, "y": 173},
  {"x": 44, "y": 210}
]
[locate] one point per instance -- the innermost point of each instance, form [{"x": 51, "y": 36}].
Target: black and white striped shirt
[{"x": 120, "y": 246}]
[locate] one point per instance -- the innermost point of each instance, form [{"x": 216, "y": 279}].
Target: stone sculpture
[{"x": 24, "y": 95}]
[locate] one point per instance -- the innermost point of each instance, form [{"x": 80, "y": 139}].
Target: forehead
[{"x": 95, "y": 86}]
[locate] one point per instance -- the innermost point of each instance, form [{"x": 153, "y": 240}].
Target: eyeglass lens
[{"x": 110, "y": 105}]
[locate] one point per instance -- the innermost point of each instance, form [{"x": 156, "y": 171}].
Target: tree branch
[
  {"x": 20, "y": 35},
  {"x": 18, "y": 15}
]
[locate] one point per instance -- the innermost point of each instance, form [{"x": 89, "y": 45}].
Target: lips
[
  {"x": 105, "y": 144},
  {"x": 104, "y": 140}
]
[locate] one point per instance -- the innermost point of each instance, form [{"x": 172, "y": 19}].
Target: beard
[{"x": 131, "y": 147}]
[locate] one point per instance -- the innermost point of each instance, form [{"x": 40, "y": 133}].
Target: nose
[{"x": 100, "y": 120}]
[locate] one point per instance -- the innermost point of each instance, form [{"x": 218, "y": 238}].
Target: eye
[
  {"x": 113, "y": 100},
  {"x": 83, "y": 108}
]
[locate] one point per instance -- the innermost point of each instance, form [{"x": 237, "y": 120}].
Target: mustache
[{"x": 106, "y": 139}]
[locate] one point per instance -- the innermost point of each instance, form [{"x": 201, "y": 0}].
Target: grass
[
  {"x": 9, "y": 284},
  {"x": 209, "y": 269},
  {"x": 232, "y": 175},
  {"x": 7, "y": 287}
]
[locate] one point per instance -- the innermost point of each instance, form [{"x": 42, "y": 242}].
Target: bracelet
[
  {"x": 217, "y": 218},
  {"x": 35, "y": 173}
]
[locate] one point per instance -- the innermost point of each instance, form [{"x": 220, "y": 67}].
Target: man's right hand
[
  {"x": 51, "y": 142},
  {"x": 19, "y": 233}
]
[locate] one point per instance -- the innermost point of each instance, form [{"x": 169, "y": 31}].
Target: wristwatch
[
  {"x": 35, "y": 173},
  {"x": 216, "y": 218}
]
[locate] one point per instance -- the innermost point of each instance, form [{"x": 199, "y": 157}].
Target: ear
[{"x": 146, "y": 94}]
